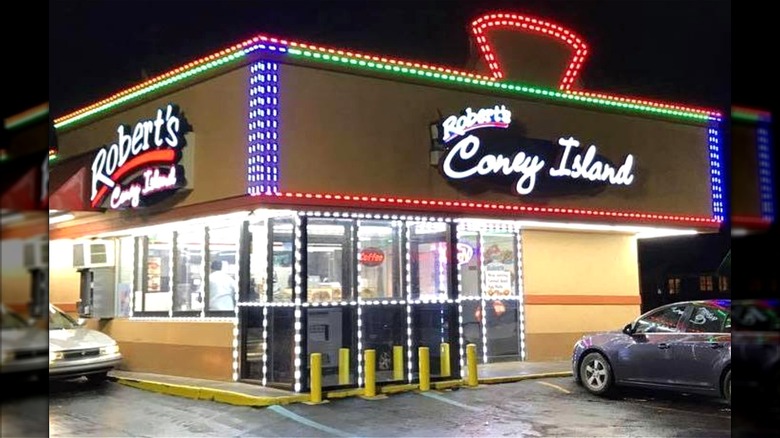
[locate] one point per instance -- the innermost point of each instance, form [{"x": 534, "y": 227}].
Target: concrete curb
[{"x": 239, "y": 399}]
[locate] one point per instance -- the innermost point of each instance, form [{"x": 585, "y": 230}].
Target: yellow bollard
[
  {"x": 316, "y": 378},
  {"x": 398, "y": 362},
  {"x": 425, "y": 369},
  {"x": 343, "y": 366},
  {"x": 471, "y": 361},
  {"x": 444, "y": 360},
  {"x": 370, "y": 369}
]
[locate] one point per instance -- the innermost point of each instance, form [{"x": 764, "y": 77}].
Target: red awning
[{"x": 69, "y": 184}]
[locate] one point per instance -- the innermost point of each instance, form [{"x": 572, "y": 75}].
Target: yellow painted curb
[
  {"x": 217, "y": 395},
  {"x": 344, "y": 393},
  {"x": 445, "y": 384},
  {"x": 395, "y": 389},
  {"x": 510, "y": 379}
]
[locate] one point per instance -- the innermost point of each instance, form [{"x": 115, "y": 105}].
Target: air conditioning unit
[
  {"x": 36, "y": 254},
  {"x": 94, "y": 254}
]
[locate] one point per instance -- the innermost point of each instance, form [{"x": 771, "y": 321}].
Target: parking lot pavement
[{"x": 532, "y": 408}]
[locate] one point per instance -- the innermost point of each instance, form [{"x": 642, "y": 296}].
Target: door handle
[
  {"x": 663, "y": 346},
  {"x": 715, "y": 345}
]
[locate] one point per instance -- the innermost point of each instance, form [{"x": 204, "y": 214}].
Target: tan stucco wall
[
  {"x": 217, "y": 111},
  {"x": 15, "y": 283},
  {"x": 64, "y": 279},
  {"x": 343, "y": 133},
  {"x": 745, "y": 189},
  {"x": 191, "y": 349},
  {"x": 587, "y": 265}
]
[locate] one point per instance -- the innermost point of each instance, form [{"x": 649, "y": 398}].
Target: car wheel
[
  {"x": 727, "y": 387},
  {"x": 596, "y": 374},
  {"x": 97, "y": 378}
]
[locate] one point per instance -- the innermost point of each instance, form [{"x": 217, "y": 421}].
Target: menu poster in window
[
  {"x": 154, "y": 272},
  {"x": 498, "y": 281}
]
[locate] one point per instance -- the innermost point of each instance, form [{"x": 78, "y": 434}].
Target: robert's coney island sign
[
  {"x": 142, "y": 166},
  {"x": 484, "y": 150}
]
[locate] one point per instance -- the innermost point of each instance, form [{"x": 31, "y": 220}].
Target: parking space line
[
  {"x": 303, "y": 420},
  {"x": 435, "y": 396},
  {"x": 552, "y": 385},
  {"x": 683, "y": 411}
]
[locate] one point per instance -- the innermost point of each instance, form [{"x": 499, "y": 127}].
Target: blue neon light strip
[
  {"x": 263, "y": 144},
  {"x": 716, "y": 170},
  {"x": 765, "y": 174}
]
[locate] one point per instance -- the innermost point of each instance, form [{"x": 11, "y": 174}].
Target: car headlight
[
  {"x": 55, "y": 355},
  {"x": 111, "y": 349}
]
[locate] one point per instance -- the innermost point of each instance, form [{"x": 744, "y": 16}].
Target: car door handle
[
  {"x": 663, "y": 346},
  {"x": 715, "y": 345}
]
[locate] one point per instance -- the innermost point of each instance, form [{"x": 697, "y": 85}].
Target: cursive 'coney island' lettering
[
  {"x": 585, "y": 166},
  {"x": 525, "y": 165}
]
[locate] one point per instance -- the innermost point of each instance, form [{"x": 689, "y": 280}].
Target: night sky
[{"x": 676, "y": 51}]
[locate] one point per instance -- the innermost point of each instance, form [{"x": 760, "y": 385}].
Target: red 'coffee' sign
[{"x": 371, "y": 257}]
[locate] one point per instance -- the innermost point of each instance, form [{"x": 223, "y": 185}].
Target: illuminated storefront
[{"x": 357, "y": 202}]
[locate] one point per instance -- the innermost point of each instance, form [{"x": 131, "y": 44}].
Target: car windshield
[
  {"x": 11, "y": 320},
  {"x": 60, "y": 321}
]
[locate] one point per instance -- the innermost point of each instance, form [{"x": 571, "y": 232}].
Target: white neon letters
[
  {"x": 456, "y": 126},
  {"x": 584, "y": 166},
  {"x": 131, "y": 143},
  {"x": 525, "y": 165},
  {"x": 154, "y": 181}
]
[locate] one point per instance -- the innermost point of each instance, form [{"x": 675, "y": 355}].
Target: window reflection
[
  {"x": 379, "y": 259},
  {"x": 428, "y": 258},
  {"x": 282, "y": 259},
  {"x": 190, "y": 266},
  {"x": 157, "y": 296},
  {"x": 662, "y": 321},
  {"x": 223, "y": 268},
  {"x": 329, "y": 259}
]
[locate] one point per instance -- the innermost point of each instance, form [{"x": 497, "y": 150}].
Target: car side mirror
[{"x": 628, "y": 329}]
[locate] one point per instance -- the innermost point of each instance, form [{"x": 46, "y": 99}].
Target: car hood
[
  {"x": 28, "y": 338},
  {"x": 77, "y": 339}
]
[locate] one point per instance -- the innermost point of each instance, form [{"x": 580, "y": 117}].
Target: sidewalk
[{"x": 245, "y": 394}]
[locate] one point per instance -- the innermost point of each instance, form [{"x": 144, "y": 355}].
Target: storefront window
[
  {"x": 468, "y": 260},
  {"x": 379, "y": 260},
  {"x": 258, "y": 262},
  {"x": 158, "y": 260},
  {"x": 125, "y": 275},
  {"x": 190, "y": 270},
  {"x": 223, "y": 268},
  {"x": 428, "y": 243},
  {"x": 329, "y": 259},
  {"x": 282, "y": 252}
]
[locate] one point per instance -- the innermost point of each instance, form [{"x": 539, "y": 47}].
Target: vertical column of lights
[
  {"x": 483, "y": 288},
  {"x": 235, "y": 313},
  {"x": 263, "y": 147},
  {"x": 265, "y": 345},
  {"x": 408, "y": 231},
  {"x": 297, "y": 303},
  {"x": 203, "y": 269},
  {"x": 716, "y": 174},
  {"x": 520, "y": 292},
  {"x": 442, "y": 266},
  {"x": 459, "y": 235},
  {"x": 765, "y": 177},
  {"x": 359, "y": 312}
]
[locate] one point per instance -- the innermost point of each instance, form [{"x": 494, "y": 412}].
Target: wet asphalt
[{"x": 554, "y": 407}]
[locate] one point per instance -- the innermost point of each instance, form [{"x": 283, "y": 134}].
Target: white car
[
  {"x": 24, "y": 346},
  {"x": 76, "y": 351}
]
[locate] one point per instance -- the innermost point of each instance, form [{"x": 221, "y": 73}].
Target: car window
[
  {"x": 60, "y": 321},
  {"x": 661, "y": 321},
  {"x": 707, "y": 319}
]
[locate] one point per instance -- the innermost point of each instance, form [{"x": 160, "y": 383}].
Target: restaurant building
[{"x": 353, "y": 201}]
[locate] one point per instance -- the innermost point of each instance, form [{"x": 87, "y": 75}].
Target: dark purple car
[{"x": 682, "y": 346}]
